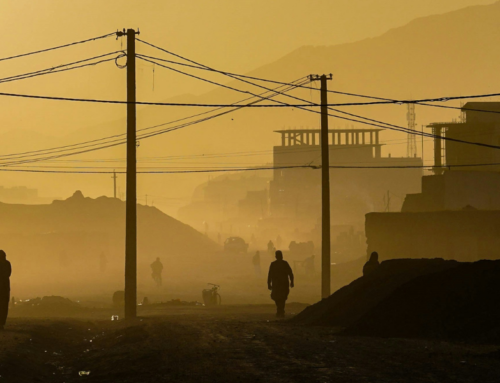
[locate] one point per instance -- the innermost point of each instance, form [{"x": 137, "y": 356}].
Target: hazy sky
[
  {"x": 232, "y": 35},
  {"x": 237, "y": 36}
]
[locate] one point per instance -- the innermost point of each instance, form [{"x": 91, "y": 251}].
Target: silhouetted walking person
[
  {"x": 5, "y": 271},
  {"x": 309, "y": 265},
  {"x": 277, "y": 281},
  {"x": 157, "y": 269},
  {"x": 371, "y": 265},
  {"x": 270, "y": 247}
]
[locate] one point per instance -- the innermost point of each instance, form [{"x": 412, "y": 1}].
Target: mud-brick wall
[{"x": 459, "y": 235}]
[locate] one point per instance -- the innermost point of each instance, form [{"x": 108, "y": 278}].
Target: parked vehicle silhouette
[{"x": 235, "y": 245}]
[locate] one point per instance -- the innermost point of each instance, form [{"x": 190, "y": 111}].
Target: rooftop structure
[
  {"x": 295, "y": 193},
  {"x": 481, "y": 125},
  {"x": 336, "y": 137}
]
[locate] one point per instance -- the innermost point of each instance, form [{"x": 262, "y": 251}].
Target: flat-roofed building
[
  {"x": 480, "y": 124},
  {"x": 295, "y": 193}
]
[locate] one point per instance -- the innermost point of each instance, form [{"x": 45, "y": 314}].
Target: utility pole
[
  {"x": 325, "y": 187},
  {"x": 387, "y": 202},
  {"x": 114, "y": 182},
  {"x": 411, "y": 144},
  {"x": 131, "y": 198}
]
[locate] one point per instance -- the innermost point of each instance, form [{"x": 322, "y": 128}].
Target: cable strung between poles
[
  {"x": 180, "y": 104},
  {"x": 246, "y": 76},
  {"x": 58, "y": 47},
  {"x": 386, "y": 125},
  {"x": 20, "y": 155},
  {"x": 312, "y": 167},
  {"x": 56, "y": 70},
  {"x": 388, "y": 100},
  {"x": 121, "y": 141}
]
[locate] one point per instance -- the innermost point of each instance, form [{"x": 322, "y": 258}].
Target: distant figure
[
  {"x": 157, "y": 269},
  {"x": 371, "y": 265},
  {"x": 256, "y": 264},
  {"x": 103, "y": 262},
  {"x": 309, "y": 265},
  {"x": 145, "y": 301},
  {"x": 270, "y": 248},
  {"x": 5, "y": 272},
  {"x": 277, "y": 282},
  {"x": 219, "y": 238},
  {"x": 279, "y": 241}
]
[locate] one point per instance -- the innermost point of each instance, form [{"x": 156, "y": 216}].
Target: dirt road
[{"x": 230, "y": 344}]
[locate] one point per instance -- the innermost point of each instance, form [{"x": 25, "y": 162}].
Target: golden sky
[{"x": 237, "y": 36}]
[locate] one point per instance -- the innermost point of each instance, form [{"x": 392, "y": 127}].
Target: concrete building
[
  {"x": 463, "y": 235},
  {"x": 456, "y": 190},
  {"x": 295, "y": 194},
  {"x": 480, "y": 122},
  {"x": 457, "y": 214}
]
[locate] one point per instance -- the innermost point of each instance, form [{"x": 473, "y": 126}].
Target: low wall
[{"x": 459, "y": 235}]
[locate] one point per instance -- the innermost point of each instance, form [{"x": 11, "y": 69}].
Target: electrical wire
[
  {"x": 56, "y": 68},
  {"x": 371, "y": 121},
  {"x": 235, "y": 169},
  {"x": 119, "y": 141},
  {"x": 58, "y": 47},
  {"x": 388, "y": 100},
  {"x": 180, "y": 104},
  {"x": 55, "y": 98},
  {"x": 198, "y": 66}
]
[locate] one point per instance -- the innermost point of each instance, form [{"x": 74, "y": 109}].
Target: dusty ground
[{"x": 227, "y": 344}]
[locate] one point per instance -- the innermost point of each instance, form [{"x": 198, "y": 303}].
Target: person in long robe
[
  {"x": 371, "y": 265},
  {"x": 157, "y": 269},
  {"x": 5, "y": 272},
  {"x": 279, "y": 281},
  {"x": 256, "y": 264}
]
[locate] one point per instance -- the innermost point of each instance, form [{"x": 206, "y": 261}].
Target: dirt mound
[
  {"x": 350, "y": 303},
  {"x": 458, "y": 303}
]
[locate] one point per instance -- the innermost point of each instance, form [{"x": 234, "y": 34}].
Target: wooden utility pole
[
  {"x": 131, "y": 198},
  {"x": 325, "y": 188},
  {"x": 114, "y": 182}
]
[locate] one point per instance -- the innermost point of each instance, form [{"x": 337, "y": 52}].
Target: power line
[
  {"x": 444, "y": 99},
  {"x": 246, "y": 76},
  {"x": 118, "y": 141},
  {"x": 388, "y": 126},
  {"x": 111, "y": 143},
  {"x": 58, "y": 47},
  {"x": 196, "y": 77},
  {"x": 56, "y": 69},
  {"x": 395, "y": 127},
  {"x": 388, "y": 100},
  {"x": 90, "y": 100},
  {"x": 235, "y": 169}
]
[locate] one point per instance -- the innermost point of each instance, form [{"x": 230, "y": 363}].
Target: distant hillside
[
  {"x": 450, "y": 54},
  {"x": 82, "y": 239}
]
